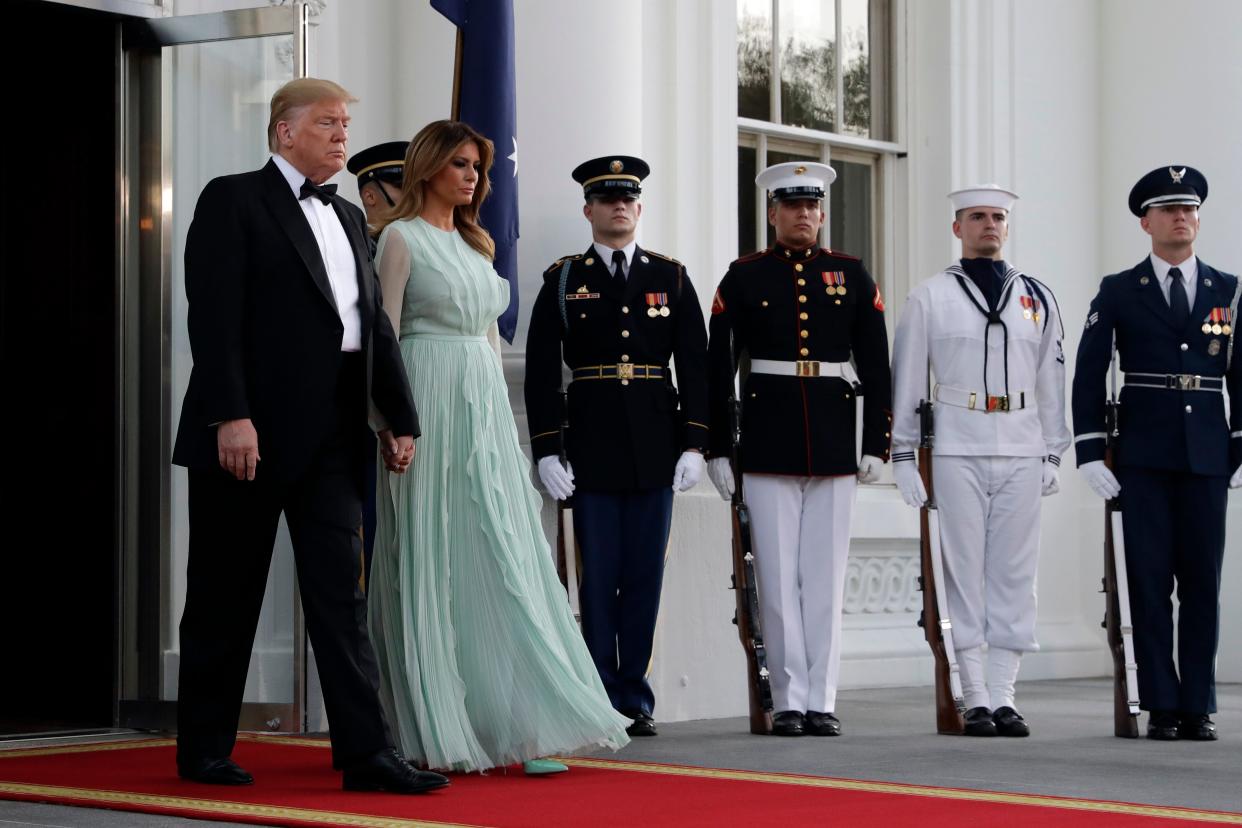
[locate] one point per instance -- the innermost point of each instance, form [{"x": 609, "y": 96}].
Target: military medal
[
  {"x": 1227, "y": 327},
  {"x": 1026, "y": 306},
  {"x": 657, "y": 305},
  {"x": 1214, "y": 347},
  {"x": 1216, "y": 317},
  {"x": 835, "y": 280}
]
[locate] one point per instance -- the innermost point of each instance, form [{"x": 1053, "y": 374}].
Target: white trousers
[
  {"x": 989, "y": 530},
  {"x": 801, "y": 537}
]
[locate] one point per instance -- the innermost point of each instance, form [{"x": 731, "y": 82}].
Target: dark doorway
[{"x": 58, "y": 332}]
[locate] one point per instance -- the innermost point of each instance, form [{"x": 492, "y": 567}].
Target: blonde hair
[
  {"x": 297, "y": 94},
  {"x": 430, "y": 150}
]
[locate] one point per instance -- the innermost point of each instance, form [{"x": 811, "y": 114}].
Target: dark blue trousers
[
  {"x": 623, "y": 538},
  {"x": 1175, "y": 533}
]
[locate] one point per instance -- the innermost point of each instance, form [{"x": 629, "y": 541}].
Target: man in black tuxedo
[{"x": 291, "y": 354}]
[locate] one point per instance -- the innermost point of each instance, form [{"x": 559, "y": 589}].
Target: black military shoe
[
  {"x": 387, "y": 771},
  {"x": 1009, "y": 722},
  {"x": 1196, "y": 727},
  {"x": 213, "y": 771},
  {"x": 1162, "y": 725},
  {"x": 788, "y": 723},
  {"x": 822, "y": 724},
  {"x": 643, "y": 724},
  {"x": 979, "y": 722}
]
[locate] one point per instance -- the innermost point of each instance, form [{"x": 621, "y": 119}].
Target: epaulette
[
  {"x": 840, "y": 255},
  {"x": 662, "y": 256},
  {"x": 750, "y": 257},
  {"x": 561, "y": 261}
]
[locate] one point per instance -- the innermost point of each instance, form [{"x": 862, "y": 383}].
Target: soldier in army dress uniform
[
  {"x": 800, "y": 313},
  {"x": 1172, "y": 319},
  {"x": 379, "y": 170},
  {"x": 615, "y": 315}
]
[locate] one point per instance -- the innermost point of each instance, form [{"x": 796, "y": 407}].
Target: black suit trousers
[{"x": 232, "y": 530}]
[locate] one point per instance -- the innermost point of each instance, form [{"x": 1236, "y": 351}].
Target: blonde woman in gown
[{"x": 481, "y": 661}]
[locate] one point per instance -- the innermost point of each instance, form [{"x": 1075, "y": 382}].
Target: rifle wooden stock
[
  {"x": 1125, "y": 723},
  {"x": 746, "y": 617},
  {"x": 948, "y": 717}
]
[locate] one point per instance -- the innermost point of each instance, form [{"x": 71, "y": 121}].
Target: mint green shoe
[{"x": 543, "y": 767}]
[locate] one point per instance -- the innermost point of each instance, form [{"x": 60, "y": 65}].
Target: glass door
[{"x": 196, "y": 107}]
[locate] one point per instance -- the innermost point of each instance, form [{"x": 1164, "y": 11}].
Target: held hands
[
  {"x": 689, "y": 471},
  {"x": 720, "y": 470},
  {"x": 1100, "y": 479},
  {"x": 397, "y": 452},
  {"x": 237, "y": 446},
  {"x": 1236, "y": 481},
  {"x": 557, "y": 479},
  {"x": 869, "y": 469},
  {"x": 1052, "y": 478},
  {"x": 906, "y": 476}
]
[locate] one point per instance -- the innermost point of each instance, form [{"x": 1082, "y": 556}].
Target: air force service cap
[
  {"x": 611, "y": 175},
  {"x": 982, "y": 195},
  {"x": 796, "y": 180},
  {"x": 1177, "y": 184},
  {"x": 382, "y": 162}
]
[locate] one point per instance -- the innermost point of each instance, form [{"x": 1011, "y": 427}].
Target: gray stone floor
[{"x": 889, "y": 736}]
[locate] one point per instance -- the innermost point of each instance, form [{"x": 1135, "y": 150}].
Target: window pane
[
  {"x": 746, "y": 173},
  {"x": 780, "y": 158},
  {"x": 754, "y": 59},
  {"x": 856, "y": 66},
  {"x": 808, "y": 63},
  {"x": 849, "y": 210}
]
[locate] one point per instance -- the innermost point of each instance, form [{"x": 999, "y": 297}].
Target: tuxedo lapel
[{"x": 292, "y": 220}]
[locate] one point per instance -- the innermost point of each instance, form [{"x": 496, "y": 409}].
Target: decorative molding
[{"x": 878, "y": 584}]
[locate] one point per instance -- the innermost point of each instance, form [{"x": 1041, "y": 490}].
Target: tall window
[{"x": 813, "y": 83}]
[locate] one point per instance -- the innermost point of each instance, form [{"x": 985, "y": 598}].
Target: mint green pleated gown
[{"x": 481, "y": 661}]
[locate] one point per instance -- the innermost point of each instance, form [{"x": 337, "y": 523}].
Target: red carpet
[{"x": 296, "y": 786}]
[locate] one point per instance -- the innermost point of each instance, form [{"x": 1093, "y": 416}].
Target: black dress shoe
[
  {"x": 1162, "y": 725},
  {"x": 213, "y": 771},
  {"x": 643, "y": 724},
  {"x": 788, "y": 723},
  {"x": 822, "y": 724},
  {"x": 979, "y": 722},
  {"x": 1197, "y": 727},
  {"x": 386, "y": 771},
  {"x": 1009, "y": 722}
]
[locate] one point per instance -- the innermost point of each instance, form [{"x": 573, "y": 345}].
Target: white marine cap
[
  {"x": 796, "y": 179},
  {"x": 983, "y": 195}
]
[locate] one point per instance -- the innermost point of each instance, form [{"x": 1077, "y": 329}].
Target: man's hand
[
  {"x": 906, "y": 476},
  {"x": 1100, "y": 479},
  {"x": 398, "y": 452},
  {"x": 720, "y": 470},
  {"x": 237, "y": 445},
  {"x": 869, "y": 468},
  {"x": 1052, "y": 479},
  {"x": 689, "y": 471},
  {"x": 1236, "y": 481},
  {"x": 557, "y": 479}
]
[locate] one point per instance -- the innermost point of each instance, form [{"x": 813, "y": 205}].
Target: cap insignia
[
  {"x": 617, "y": 166},
  {"x": 1177, "y": 174},
  {"x": 799, "y": 170}
]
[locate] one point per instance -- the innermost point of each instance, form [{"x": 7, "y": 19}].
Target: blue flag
[{"x": 487, "y": 100}]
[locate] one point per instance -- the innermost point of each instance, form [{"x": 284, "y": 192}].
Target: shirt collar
[
  {"x": 291, "y": 174},
  {"x": 605, "y": 252},
  {"x": 1189, "y": 269},
  {"x": 794, "y": 254}
]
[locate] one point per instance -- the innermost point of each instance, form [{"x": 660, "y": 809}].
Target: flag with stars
[{"x": 487, "y": 100}]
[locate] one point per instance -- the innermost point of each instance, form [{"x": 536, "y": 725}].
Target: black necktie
[
  {"x": 322, "y": 192},
  {"x": 618, "y": 266},
  {"x": 1179, "y": 305}
]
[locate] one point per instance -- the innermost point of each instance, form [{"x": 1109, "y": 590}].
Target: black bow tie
[{"x": 323, "y": 192}]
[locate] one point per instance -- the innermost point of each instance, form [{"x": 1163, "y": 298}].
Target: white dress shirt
[
  {"x": 605, "y": 253},
  {"x": 336, "y": 252},
  {"x": 1190, "y": 276}
]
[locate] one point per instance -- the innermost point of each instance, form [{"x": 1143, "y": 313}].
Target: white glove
[
  {"x": 720, "y": 470},
  {"x": 557, "y": 479},
  {"x": 869, "y": 469},
  {"x": 1100, "y": 479},
  {"x": 906, "y": 475},
  {"x": 1236, "y": 481},
  {"x": 689, "y": 471},
  {"x": 1052, "y": 478}
]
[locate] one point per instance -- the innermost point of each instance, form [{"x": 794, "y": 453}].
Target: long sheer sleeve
[{"x": 392, "y": 257}]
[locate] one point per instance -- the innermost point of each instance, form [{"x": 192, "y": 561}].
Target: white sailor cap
[
  {"x": 983, "y": 195},
  {"x": 796, "y": 179}
]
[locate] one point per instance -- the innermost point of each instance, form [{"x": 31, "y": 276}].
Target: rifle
[
  {"x": 937, "y": 629},
  {"x": 566, "y": 544},
  {"x": 1116, "y": 588},
  {"x": 746, "y": 616}
]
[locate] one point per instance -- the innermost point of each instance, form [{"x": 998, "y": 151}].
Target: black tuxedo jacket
[{"x": 265, "y": 332}]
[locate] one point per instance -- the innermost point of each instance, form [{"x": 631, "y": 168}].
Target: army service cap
[
  {"x": 382, "y": 162},
  {"x": 611, "y": 175},
  {"x": 983, "y": 195},
  {"x": 796, "y": 179},
  {"x": 1177, "y": 184}
]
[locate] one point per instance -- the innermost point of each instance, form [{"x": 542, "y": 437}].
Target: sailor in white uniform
[{"x": 991, "y": 337}]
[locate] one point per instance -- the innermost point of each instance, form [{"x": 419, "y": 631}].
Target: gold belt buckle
[
  {"x": 1000, "y": 403},
  {"x": 1189, "y": 382},
  {"x": 807, "y": 368},
  {"x": 625, "y": 370}
]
